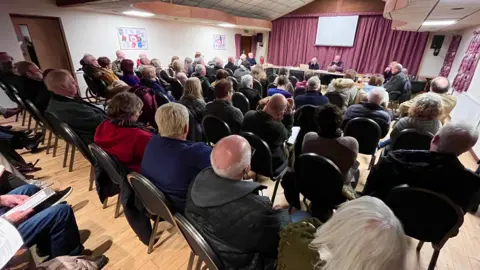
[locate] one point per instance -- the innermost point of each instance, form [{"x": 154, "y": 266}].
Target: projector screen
[{"x": 336, "y": 31}]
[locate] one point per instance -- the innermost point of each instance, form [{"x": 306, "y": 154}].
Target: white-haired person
[
  {"x": 188, "y": 65},
  {"x": 116, "y": 64},
  {"x": 396, "y": 85},
  {"x": 201, "y": 73},
  {"x": 231, "y": 64},
  {"x": 313, "y": 64},
  {"x": 438, "y": 170},
  {"x": 161, "y": 161},
  {"x": 217, "y": 65},
  {"x": 241, "y": 226},
  {"x": 242, "y": 70},
  {"x": 251, "y": 59},
  {"x": 240, "y": 60},
  {"x": 246, "y": 88},
  {"x": 362, "y": 234},
  {"x": 312, "y": 95}
]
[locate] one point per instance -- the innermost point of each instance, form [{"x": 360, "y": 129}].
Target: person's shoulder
[
  {"x": 349, "y": 142},
  {"x": 310, "y": 136}
]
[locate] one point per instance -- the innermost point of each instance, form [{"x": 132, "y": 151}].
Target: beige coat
[{"x": 448, "y": 102}]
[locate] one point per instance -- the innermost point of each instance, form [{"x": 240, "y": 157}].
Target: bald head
[
  {"x": 454, "y": 138},
  {"x": 276, "y": 106},
  {"x": 440, "y": 85},
  {"x": 61, "y": 82},
  {"x": 397, "y": 68},
  {"x": 231, "y": 156},
  {"x": 120, "y": 55}
]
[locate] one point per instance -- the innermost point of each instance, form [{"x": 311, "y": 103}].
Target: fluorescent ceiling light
[
  {"x": 450, "y": 22},
  {"x": 226, "y": 25},
  {"x": 138, "y": 13}
]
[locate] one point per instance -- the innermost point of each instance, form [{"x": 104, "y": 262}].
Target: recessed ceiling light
[
  {"x": 138, "y": 13},
  {"x": 458, "y": 8},
  {"x": 226, "y": 25},
  {"x": 449, "y": 22}
]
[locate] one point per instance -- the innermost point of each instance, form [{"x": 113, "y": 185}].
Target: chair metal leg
[
  {"x": 72, "y": 157},
  {"x": 49, "y": 141},
  {"x": 275, "y": 190},
  {"x": 24, "y": 115},
  {"x": 92, "y": 177},
  {"x": 55, "y": 146},
  {"x": 420, "y": 245},
  {"x": 199, "y": 264},
  {"x": 16, "y": 116},
  {"x": 433, "y": 260},
  {"x": 205, "y": 267},
  {"x": 190, "y": 260},
  {"x": 372, "y": 161},
  {"x": 36, "y": 127},
  {"x": 105, "y": 203},
  {"x": 153, "y": 235},
  {"x": 65, "y": 156},
  {"x": 117, "y": 207},
  {"x": 29, "y": 121}
]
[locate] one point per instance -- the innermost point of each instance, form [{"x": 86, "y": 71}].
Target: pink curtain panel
[
  {"x": 452, "y": 51},
  {"x": 469, "y": 63}
]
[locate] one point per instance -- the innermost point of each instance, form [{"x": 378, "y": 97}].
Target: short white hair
[
  {"x": 362, "y": 234},
  {"x": 456, "y": 137},
  {"x": 199, "y": 68},
  {"x": 398, "y": 66},
  {"x": 376, "y": 95},
  {"x": 313, "y": 83},
  {"x": 218, "y": 62},
  {"x": 171, "y": 119},
  {"x": 243, "y": 57},
  {"x": 246, "y": 81}
]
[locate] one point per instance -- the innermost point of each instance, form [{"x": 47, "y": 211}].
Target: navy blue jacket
[{"x": 314, "y": 98}]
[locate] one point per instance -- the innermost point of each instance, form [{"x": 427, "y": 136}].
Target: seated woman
[
  {"x": 107, "y": 73},
  {"x": 221, "y": 74},
  {"x": 192, "y": 98},
  {"x": 149, "y": 79},
  {"x": 375, "y": 81},
  {"x": 259, "y": 74},
  {"x": 129, "y": 77},
  {"x": 346, "y": 88},
  {"x": 362, "y": 234},
  {"x": 281, "y": 88},
  {"x": 120, "y": 135}
]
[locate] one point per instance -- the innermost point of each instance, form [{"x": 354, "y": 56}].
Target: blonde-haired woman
[
  {"x": 177, "y": 66},
  {"x": 192, "y": 98},
  {"x": 258, "y": 73}
]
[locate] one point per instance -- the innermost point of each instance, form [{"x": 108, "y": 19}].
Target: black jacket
[
  {"x": 252, "y": 95},
  {"x": 33, "y": 90},
  {"x": 195, "y": 106},
  {"x": 224, "y": 110},
  {"x": 274, "y": 133},
  {"x": 314, "y": 98},
  {"x": 241, "y": 227},
  {"x": 231, "y": 66},
  {"x": 396, "y": 86},
  {"x": 369, "y": 110},
  {"x": 439, "y": 172}
]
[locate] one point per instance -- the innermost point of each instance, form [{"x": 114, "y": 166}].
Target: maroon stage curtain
[{"x": 292, "y": 42}]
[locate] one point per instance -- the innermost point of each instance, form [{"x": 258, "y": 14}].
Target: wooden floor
[{"x": 116, "y": 239}]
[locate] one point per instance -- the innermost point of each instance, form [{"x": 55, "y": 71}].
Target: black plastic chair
[
  {"x": 368, "y": 134},
  {"x": 234, "y": 83},
  {"x": 262, "y": 161},
  {"x": 8, "y": 93},
  {"x": 293, "y": 80},
  {"x": 39, "y": 118},
  {"x": 305, "y": 119},
  {"x": 21, "y": 104},
  {"x": 257, "y": 85},
  {"x": 194, "y": 129},
  {"x": 426, "y": 216},
  {"x": 161, "y": 99},
  {"x": 418, "y": 86},
  {"x": 177, "y": 89},
  {"x": 12, "y": 93},
  {"x": 335, "y": 99},
  {"x": 272, "y": 77},
  {"x": 299, "y": 91},
  {"x": 412, "y": 139},
  {"x": 110, "y": 167},
  {"x": 55, "y": 124},
  {"x": 241, "y": 102},
  {"x": 230, "y": 72},
  {"x": 155, "y": 202},
  {"x": 170, "y": 72},
  {"x": 214, "y": 128},
  {"x": 97, "y": 88},
  {"x": 299, "y": 74},
  {"x": 199, "y": 247},
  {"x": 269, "y": 71}
]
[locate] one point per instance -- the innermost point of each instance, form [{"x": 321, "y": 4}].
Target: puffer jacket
[
  {"x": 346, "y": 88},
  {"x": 241, "y": 226}
]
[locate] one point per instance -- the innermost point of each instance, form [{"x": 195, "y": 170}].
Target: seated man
[
  {"x": 251, "y": 59},
  {"x": 241, "y": 226},
  {"x": 231, "y": 64},
  {"x": 91, "y": 67},
  {"x": 439, "y": 85},
  {"x": 281, "y": 87},
  {"x": 396, "y": 85},
  {"x": 438, "y": 170},
  {"x": 201, "y": 71},
  {"x": 337, "y": 64},
  {"x": 371, "y": 109},
  {"x": 222, "y": 106},
  {"x": 81, "y": 116},
  {"x": 246, "y": 88},
  {"x": 170, "y": 161},
  {"x": 313, "y": 64},
  {"x": 273, "y": 124},
  {"x": 33, "y": 87},
  {"x": 307, "y": 75},
  {"x": 6, "y": 71},
  {"x": 212, "y": 71},
  {"x": 312, "y": 96}
]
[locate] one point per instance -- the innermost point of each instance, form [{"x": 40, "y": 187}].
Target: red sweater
[{"x": 127, "y": 144}]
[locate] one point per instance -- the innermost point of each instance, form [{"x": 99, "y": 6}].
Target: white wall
[{"x": 431, "y": 64}]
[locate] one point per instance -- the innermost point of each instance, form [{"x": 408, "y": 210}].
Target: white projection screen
[{"x": 336, "y": 31}]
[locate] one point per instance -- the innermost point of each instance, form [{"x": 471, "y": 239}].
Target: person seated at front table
[
  {"x": 221, "y": 74},
  {"x": 149, "y": 79},
  {"x": 307, "y": 75},
  {"x": 246, "y": 88},
  {"x": 241, "y": 226},
  {"x": 273, "y": 124},
  {"x": 312, "y": 95},
  {"x": 129, "y": 77},
  {"x": 337, "y": 64},
  {"x": 251, "y": 59},
  {"x": 222, "y": 106},
  {"x": 81, "y": 116},
  {"x": 313, "y": 64},
  {"x": 281, "y": 87},
  {"x": 120, "y": 135},
  {"x": 33, "y": 87},
  {"x": 170, "y": 161},
  {"x": 438, "y": 170},
  {"x": 362, "y": 234}
]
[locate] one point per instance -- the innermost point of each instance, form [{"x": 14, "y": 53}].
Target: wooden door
[
  {"x": 47, "y": 38},
  {"x": 246, "y": 44}
]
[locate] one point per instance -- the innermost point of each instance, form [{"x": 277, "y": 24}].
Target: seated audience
[
  {"x": 144, "y": 61},
  {"x": 182, "y": 77},
  {"x": 158, "y": 67},
  {"x": 258, "y": 73},
  {"x": 116, "y": 65},
  {"x": 283, "y": 71},
  {"x": 371, "y": 109},
  {"x": 221, "y": 74},
  {"x": 32, "y": 87},
  {"x": 170, "y": 161},
  {"x": 149, "y": 79},
  {"x": 337, "y": 64},
  {"x": 192, "y": 98},
  {"x": 439, "y": 85},
  {"x": 313, "y": 64},
  {"x": 346, "y": 88},
  {"x": 218, "y": 65},
  {"x": 91, "y": 67},
  {"x": 438, "y": 170},
  {"x": 387, "y": 74},
  {"x": 201, "y": 71},
  {"x": 242, "y": 59},
  {"x": 120, "y": 135},
  {"x": 241, "y": 226},
  {"x": 329, "y": 142},
  {"x": 6, "y": 71},
  {"x": 251, "y": 59},
  {"x": 188, "y": 65},
  {"x": 242, "y": 70},
  {"x": 108, "y": 76},
  {"x": 375, "y": 81},
  {"x": 129, "y": 76},
  {"x": 307, "y": 75},
  {"x": 246, "y": 88},
  {"x": 222, "y": 106},
  {"x": 281, "y": 87},
  {"x": 177, "y": 66},
  {"x": 362, "y": 234},
  {"x": 312, "y": 95},
  {"x": 396, "y": 85},
  {"x": 81, "y": 116},
  {"x": 273, "y": 124},
  {"x": 231, "y": 64},
  {"x": 171, "y": 69}
]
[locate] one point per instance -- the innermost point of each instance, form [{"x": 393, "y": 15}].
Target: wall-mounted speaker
[{"x": 260, "y": 38}]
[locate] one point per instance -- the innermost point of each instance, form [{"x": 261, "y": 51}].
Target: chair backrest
[
  {"x": 197, "y": 243},
  {"x": 37, "y": 115},
  {"x": 335, "y": 99},
  {"x": 418, "y": 86},
  {"x": 194, "y": 129},
  {"x": 67, "y": 133},
  {"x": 7, "y": 91},
  {"x": 425, "y": 215},
  {"x": 272, "y": 77},
  {"x": 106, "y": 163},
  {"x": 272, "y": 85},
  {"x": 366, "y": 131},
  {"x": 171, "y": 72},
  {"x": 153, "y": 199},
  {"x": 97, "y": 87},
  {"x": 54, "y": 122},
  {"x": 305, "y": 119},
  {"x": 269, "y": 71},
  {"x": 299, "y": 91},
  {"x": 214, "y": 128},
  {"x": 257, "y": 85},
  {"x": 20, "y": 101},
  {"x": 161, "y": 99},
  {"x": 299, "y": 74},
  {"x": 293, "y": 80},
  {"x": 318, "y": 178},
  {"x": 230, "y": 72},
  {"x": 262, "y": 159},
  {"x": 177, "y": 89},
  {"x": 412, "y": 139},
  {"x": 241, "y": 102},
  {"x": 234, "y": 83}
]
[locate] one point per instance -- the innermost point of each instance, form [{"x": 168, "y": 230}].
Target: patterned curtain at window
[
  {"x": 452, "y": 51},
  {"x": 469, "y": 63}
]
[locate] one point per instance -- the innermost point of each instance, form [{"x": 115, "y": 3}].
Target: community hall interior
[{"x": 240, "y": 134}]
